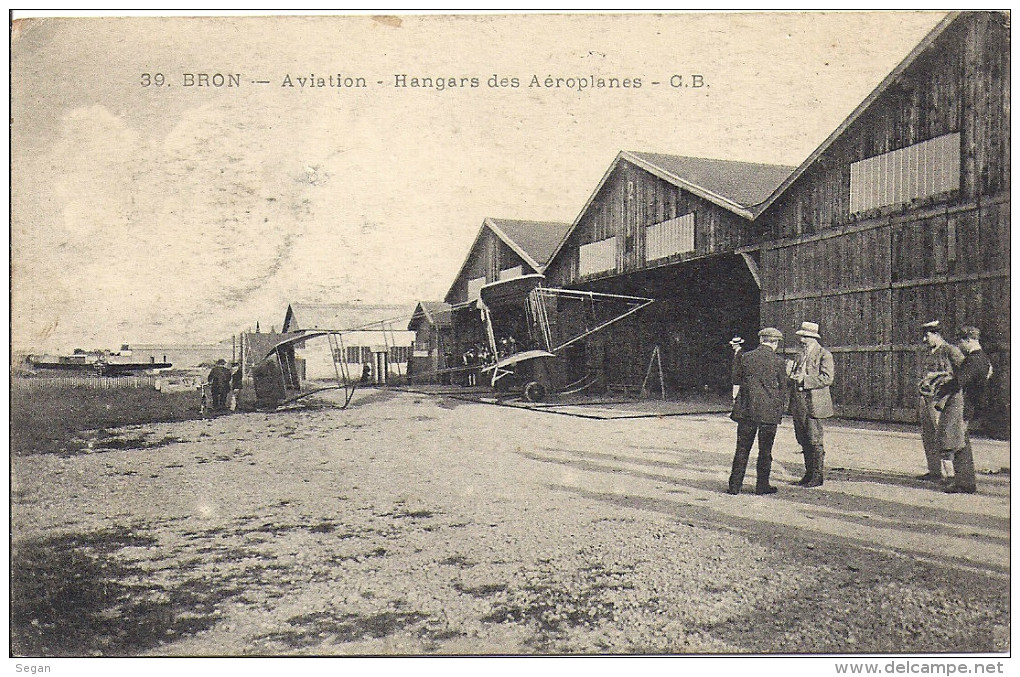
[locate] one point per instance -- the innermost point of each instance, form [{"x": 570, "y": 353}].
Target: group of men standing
[
  {"x": 225, "y": 382},
  {"x": 764, "y": 382},
  {"x": 950, "y": 395},
  {"x": 951, "y": 391}
]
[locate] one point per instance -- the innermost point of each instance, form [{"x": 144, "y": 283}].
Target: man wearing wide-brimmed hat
[
  {"x": 810, "y": 402},
  {"x": 219, "y": 379},
  {"x": 758, "y": 408}
]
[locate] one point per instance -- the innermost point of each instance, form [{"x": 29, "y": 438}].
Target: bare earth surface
[{"x": 414, "y": 524}]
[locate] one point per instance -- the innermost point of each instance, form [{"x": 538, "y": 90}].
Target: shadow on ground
[{"x": 72, "y": 595}]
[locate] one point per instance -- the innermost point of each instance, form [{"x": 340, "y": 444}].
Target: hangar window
[
  {"x": 400, "y": 354},
  {"x": 475, "y": 287},
  {"x": 510, "y": 273},
  {"x": 674, "y": 236},
  {"x": 922, "y": 170},
  {"x": 597, "y": 256}
]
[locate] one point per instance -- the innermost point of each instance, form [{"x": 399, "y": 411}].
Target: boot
[{"x": 817, "y": 474}]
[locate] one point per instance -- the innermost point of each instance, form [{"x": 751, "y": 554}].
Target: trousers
[
  {"x": 810, "y": 433},
  {"x": 963, "y": 465},
  {"x": 746, "y": 432}
]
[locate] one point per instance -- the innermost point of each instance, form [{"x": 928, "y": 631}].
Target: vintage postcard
[{"x": 572, "y": 334}]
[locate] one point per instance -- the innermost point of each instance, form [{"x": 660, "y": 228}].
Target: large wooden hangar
[{"x": 899, "y": 217}]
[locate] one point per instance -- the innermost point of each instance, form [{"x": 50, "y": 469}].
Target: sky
[{"x": 145, "y": 213}]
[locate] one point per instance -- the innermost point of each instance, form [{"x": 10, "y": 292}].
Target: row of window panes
[{"x": 362, "y": 354}]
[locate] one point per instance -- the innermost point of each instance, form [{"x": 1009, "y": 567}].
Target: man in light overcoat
[
  {"x": 812, "y": 373},
  {"x": 940, "y": 414}
]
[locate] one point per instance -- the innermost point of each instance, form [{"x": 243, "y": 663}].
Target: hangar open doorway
[{"x": 700, "y": 305}]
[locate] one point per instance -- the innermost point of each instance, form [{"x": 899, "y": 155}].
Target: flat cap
[
  {"x": 933, "y": 326},
  {"x": 770, "y": 334}
]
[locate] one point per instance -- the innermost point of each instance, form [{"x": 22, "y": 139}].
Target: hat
[
  {"x": 221, "y": 361},
  {"x": 934, "y": 326},
  {"x": 736, "y": 341},
  {"x": 770, "y": 334},
  {"x": 809, "y": 329},
  {"x": 969, "y": 332}
]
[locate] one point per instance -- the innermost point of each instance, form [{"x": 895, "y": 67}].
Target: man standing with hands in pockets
[{"x": 810, "y": 402}]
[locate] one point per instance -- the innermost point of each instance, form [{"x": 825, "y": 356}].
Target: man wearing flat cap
[
  {"x": 758, "y": 408},
  {"x": 939, "y": 408},
  {"x": 810, "y": 402},
  {"x": 971, "y": 380}
]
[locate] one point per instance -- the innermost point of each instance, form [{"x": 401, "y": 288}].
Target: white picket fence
[{"x": 85, "y": 381}]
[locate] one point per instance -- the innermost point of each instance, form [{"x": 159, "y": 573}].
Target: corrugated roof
[
  {"x": 537, "y": 238},
  {"x": 743, "y": 184},
  {"x": 341, "y": 315}
]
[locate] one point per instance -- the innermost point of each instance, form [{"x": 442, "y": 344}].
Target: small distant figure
[
  {"x": 447, "y": 364},
  {"x": 366, "y": 373},
  {"x": 236, "y": 383},
  {"x": 470, "y": 360},
  {"x": 737, "y": 345},
  {"x": 219, "y": 381}
]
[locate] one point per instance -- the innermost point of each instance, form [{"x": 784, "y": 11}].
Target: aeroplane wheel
[{"x": 534, "y": 392}]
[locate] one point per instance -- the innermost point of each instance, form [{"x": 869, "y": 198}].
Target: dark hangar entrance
[{"x": 700, "y": 305}]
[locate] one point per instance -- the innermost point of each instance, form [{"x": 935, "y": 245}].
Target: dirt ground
[{"x": 423, "y": 524}]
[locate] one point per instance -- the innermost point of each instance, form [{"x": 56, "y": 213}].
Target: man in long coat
[
  {"x": 219, "y": 379},
  {"x": 758, "y": 409},
  {"x": 812, "y": 373},
  {"x": 939, "y": 411},
  {"x": 971, "y": 380}
]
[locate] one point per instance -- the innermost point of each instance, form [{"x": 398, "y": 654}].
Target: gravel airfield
[{"x": 412, "y": 524}]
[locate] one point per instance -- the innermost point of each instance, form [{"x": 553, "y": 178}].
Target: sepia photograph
[{"x": 504, "y": 335}]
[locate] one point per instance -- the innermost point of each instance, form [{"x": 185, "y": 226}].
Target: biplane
[
  {"x": 278, "y": 380},
  {"x": 278, "y": 372},
  {"x": 531, "y": 330}
]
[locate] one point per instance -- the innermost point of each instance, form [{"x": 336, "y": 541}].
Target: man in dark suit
[
  {"x": 970, "y": 379},
  {"x": 758, "y": 409}
]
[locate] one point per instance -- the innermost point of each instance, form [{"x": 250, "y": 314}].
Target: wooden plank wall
[
  {"x": 488, "y": 257},
  {"x": 872, "y": 286},
  {"x": 960, "y": 85},
  {"x": 871, "y": 279},
  {"x": 631, "y": 199}
]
